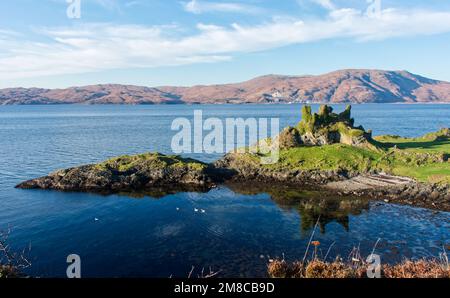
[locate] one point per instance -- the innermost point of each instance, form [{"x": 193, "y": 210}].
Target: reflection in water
[
  {"x": 242, "y": 227},
  {"x": 151, "y": 192},
  {"x": 161, "y": 192},
  {"x": 313, "y": 206}
]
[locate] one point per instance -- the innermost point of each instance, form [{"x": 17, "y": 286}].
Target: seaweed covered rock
[{"x": 127, "y": 173}]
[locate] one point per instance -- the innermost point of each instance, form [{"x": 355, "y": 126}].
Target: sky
[{"x": 62, "y": 43}]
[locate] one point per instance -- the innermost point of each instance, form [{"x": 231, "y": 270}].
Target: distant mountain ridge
[{"x": 342, "y": 86}]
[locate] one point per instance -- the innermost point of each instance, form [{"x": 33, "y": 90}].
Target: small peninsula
[{"x": 324, "y": 151}]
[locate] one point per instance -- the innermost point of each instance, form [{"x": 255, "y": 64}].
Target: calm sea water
[{"x": 142, "y": 236}]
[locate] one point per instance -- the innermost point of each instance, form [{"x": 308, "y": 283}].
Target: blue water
[{"x": 144, "y": 237}]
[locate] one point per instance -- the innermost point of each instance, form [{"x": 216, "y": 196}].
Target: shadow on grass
[{"x": 434, "y": 145}]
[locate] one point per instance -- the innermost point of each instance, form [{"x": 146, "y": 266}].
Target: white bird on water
[{"x": 195, "y": 209}]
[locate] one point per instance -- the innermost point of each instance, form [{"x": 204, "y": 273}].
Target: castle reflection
[{"x": 313, "y": 206}]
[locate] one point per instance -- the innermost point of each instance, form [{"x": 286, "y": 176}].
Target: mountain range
[{"x": 342, "y": 86}]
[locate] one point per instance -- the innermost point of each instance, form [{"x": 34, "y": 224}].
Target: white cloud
[
  {"x": 327, "y": 4},
  {"x": 97, "y": 47},
  {"x": 203, "y": 6},
  {"x": 109, "y": 4}
]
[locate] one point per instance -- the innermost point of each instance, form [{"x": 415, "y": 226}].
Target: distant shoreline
[
  {"x": 228, "y": 104},
  {"x": 348, "y": 86}
]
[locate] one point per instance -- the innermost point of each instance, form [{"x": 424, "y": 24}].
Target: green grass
[
  {"x": 421, "y": 158},
  {"x": 433, "y": 172},
  {"x": 417, "y": 145},
  {"x": 330, "y": 157},
  {"x": 151, "y": 160},
  {"x": 437, "y": 142}
]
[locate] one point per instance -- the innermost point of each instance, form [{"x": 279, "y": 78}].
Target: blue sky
[{"x": 185, "y": 42}]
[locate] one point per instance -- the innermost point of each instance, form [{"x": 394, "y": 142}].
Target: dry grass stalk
[
  {"x": 338, "y": 269},
  {"x": 11, "y": 263}
]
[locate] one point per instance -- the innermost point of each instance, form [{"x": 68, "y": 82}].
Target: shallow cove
[{"x": 234, "y": 229}]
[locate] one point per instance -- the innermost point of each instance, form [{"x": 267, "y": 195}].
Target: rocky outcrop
[
  {"x": 395, "y": 190},
  {"x": 127, "y": 173},
  {"x": 325, "y": 128},
  {"x": 246, "y": 169},
  {"x": 343, "y": 86}
]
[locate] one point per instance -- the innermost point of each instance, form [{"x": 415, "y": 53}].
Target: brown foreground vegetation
[
  {"x": 338, "y": 269},
  {"x": 7, "y": 271}
]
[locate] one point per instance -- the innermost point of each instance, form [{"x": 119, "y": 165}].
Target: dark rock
[{"x": 127, "y": 173}]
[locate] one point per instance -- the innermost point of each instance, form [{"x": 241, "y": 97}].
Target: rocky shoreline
[
  {"x": 128, "y": 173},
  {"x": 400, "y": 190},
  {"x": 425, "y": 195},
  {"x": 324, "y": 151},
  {"x": 148, "y": 177}
]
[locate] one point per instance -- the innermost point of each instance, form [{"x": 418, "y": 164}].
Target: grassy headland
[
  {"x": 425, "y": 161},
  {"x": 424, "y": 158},
  {"x": 329, "y": 142},
  {"x": 323, "y": 148}
]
